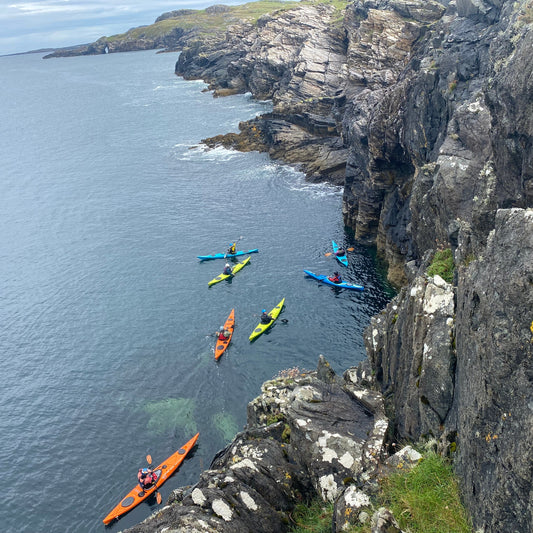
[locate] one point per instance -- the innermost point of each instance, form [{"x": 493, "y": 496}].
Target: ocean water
[{"x": 106, "y": 319}]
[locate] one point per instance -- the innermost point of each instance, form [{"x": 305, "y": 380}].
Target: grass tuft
[
  {"x": 426, "y": 499},
  {"x": 314, "y": 517},
  {"x": 442, "y": 265}
]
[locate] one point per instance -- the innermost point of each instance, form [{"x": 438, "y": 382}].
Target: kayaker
[
  {"x": 227, "y": 270},
  {"x": 340, "y": 252},
  {"x": 265, "y": 317},
  {"x": 146, "y": 477},
  {"x": 232, "y": 248},
  {"x": 223, "y": 334},
  {"x": 336, "y": 278}
]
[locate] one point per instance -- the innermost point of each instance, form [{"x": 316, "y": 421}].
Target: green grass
[
  {"x": 312, "y": 518},
  {"x": 424, "y": 499},
  {"x": 213, "y": 23},
  {"x": 442, "y": 265}
]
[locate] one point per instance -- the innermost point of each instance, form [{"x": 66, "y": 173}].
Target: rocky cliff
[{"x": 423, "y": 111}]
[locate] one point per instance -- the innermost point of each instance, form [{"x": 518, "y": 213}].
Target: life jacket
[
  {"x": 146, "y": 479},
  {"x": 265, "y": 319}
]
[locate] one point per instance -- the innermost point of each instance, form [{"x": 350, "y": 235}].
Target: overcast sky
[{"x": 31, "y": 25}]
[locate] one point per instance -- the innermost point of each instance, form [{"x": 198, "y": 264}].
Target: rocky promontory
[{"x": 307, "y": 433}]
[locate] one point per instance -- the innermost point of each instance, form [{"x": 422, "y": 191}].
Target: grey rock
[{"x": 324, "y": 437}]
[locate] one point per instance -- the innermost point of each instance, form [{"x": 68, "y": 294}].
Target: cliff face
[
  {"x": 457, "y": 362},
  {"x": 423, "y": 110}
]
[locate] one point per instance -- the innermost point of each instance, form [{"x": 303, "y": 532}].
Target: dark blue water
[{"x": 106, "y": 199}]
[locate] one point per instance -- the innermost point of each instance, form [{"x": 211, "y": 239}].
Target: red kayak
[
  {"x": 222, "y": 344},
  {"x": 163, "y": 471}
]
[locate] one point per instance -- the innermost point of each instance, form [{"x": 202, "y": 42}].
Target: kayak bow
[
  {"x": 163, "y": 471},
  {"x": 221, "y": 345},
  {"x": 341, "y": 258},
  {"x": 342, "y": 285},
  {"x": 261, "y": 328}
]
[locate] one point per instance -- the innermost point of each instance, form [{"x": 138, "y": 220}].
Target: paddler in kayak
[
  {"x": 340, "y": 252},
  {"x": 227, "y": 270},
  {"x": 223, "y": 334},
  {"x": 336, "y": 278},
  {"x": 265, "y": 317},
  {"x": 146, "y": 477},
  {"x": 232, "y": 248}
]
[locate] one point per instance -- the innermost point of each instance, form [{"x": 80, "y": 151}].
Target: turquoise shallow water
[{"x": 105, "y": 314}]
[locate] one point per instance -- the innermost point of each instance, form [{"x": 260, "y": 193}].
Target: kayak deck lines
[
  {"x": 222, "y": 344},
  {"x": 236, "y": 268}
]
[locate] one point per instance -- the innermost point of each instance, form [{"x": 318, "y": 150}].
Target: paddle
[
  {"x": 347, "y": 249},
  {"x": 158, "y": 497},
  {"x": 235, "y": 243}
]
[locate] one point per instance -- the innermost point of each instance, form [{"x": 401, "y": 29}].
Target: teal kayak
[
  {"x": 225, "y": 256},
  {"x": 341, "y": 285},
  {"x": 341, "y": 258}
]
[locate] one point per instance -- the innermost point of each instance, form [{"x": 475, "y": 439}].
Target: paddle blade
[
  {"x": 149, "y": 459},
  {"x": 158, "y": 497},
  {"x": 328, "y": 254},
  {"x": 350, "y": 249}
]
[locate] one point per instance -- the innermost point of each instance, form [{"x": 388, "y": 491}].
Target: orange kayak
[
  {"x": 135, "y": 496},
  {"x": 221, "y": 345}
]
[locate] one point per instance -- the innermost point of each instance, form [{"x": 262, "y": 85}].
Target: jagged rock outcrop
[
  {"x": 493, "y": 400},
  {"x": 411, "y": 347},
  {"x": 457, "y": 363},
  {"x": 325, "y": 434}
]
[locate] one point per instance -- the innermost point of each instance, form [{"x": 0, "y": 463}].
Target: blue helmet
[
  {"x": 145, "y": 470},
  {"x": 263, "y": 310}
]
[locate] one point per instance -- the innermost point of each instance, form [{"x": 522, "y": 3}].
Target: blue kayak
[
  {"x": 225, "y": 256},
  {"x": 342, "y": 285},
  {"x": 341, "y": 258}
]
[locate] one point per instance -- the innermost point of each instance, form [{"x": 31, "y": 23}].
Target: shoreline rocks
[{"x": 307, "y": 435}]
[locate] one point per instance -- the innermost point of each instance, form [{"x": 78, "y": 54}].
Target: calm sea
[{"x": 106, "y": 319}]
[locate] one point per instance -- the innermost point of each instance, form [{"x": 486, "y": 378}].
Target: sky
[{"x": 32, "y": 25}]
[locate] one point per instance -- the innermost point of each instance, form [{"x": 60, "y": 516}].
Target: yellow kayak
[
  {"x": 261, "y": 328},
  {"x": 234, "y": 270}
]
